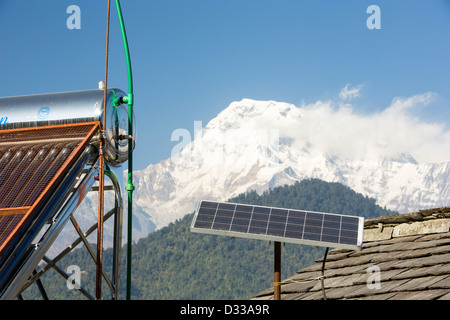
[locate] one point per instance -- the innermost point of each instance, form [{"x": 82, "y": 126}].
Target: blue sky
[{"x": 192, "y": 58}]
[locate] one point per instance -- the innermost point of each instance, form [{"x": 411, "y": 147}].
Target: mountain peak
[{"x": 238, "y": 112}]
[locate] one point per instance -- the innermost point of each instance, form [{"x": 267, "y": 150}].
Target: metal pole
[
  {"x": 117, "y": 247},
  {"x": 277, "y": 271},
  {"x": 101, "y": 180},
  {"x": 40, "y": 286}
]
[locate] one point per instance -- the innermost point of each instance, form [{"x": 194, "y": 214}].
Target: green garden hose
[{"x": 129, "y": 187}]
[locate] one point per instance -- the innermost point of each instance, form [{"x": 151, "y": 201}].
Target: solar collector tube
[
  {"x": 52, "y": 109},
  {"x": 70, "y": 108}
]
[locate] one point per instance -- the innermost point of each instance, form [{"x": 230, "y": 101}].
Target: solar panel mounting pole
[{"x": 277, "y": 271}]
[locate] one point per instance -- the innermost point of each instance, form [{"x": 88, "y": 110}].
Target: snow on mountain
[{"x": 255, "y": 145}]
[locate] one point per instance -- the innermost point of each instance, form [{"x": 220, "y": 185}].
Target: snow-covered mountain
[{"x": 256, "y": 145}]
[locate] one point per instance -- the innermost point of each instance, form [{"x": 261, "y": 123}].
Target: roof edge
[{"x": 436, "y": 220}]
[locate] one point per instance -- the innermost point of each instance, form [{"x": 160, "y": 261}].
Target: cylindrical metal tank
[{"x": 72, "y": 107}]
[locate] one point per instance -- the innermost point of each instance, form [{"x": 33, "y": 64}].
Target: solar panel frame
[{"x": 278, "y": 224}]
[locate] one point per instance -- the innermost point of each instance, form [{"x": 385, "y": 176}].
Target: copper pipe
[
  {"x": 101, "y": 181},
  {"x": 98, "y": 281}
]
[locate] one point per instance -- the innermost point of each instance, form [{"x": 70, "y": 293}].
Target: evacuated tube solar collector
[
  {"x": 72, "y": 107},
  {"x": 48, "y": 148}
]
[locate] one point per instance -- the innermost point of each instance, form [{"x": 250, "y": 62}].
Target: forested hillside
[{"x": 173, "y": 263}]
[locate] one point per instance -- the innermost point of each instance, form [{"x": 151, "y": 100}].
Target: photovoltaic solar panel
[{"x": 278, "y": 224}]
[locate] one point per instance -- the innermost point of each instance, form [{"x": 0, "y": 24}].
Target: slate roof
[{"x": 403, "y": 257}]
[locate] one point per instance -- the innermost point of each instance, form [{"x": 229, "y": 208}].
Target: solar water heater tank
[{"x": 69, "y": 108}]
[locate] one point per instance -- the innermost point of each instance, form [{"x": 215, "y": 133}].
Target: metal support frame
[{"x": 113, "y": 282}]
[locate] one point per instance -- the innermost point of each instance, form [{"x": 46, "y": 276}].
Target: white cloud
[
  {"x": 348, "y": 93},
  {"x": 335, "y": 129},
  {"x": 400, "y": 105}
]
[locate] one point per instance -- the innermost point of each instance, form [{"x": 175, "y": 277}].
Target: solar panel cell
[
  {"x": 278, "y": 218},
  {"x": 227, "y": 206},
  {"x": 241, "y": 208},
  {"x": 275, "y": 231},
  {"x": 263, "y": 210},
  {"x": 239, "y": 227},
  {"x": 202, "y": 225},
  {"x": 345, "y": 240},
  {"x": 314, "y": 216},
  {"x": 296, "y": 217},
  {"x": 258, "y": 224},
  {"x": 350, "y": 221},
  {"x": 331, "y": 224},
  {"x": 312, "y": 236},
  {"x": 293, "y": 233},
  {"x": 207, "y": 204},
  {"x": 330, "y": 238}
]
